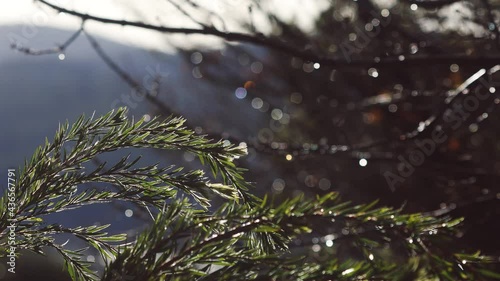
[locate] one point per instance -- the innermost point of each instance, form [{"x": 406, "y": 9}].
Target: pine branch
[
  {"x": 248, "y": 241},
  {"x": 49, "y": 182}
]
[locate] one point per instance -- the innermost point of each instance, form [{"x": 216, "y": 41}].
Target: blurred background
[{"x": 340, "y": 103}]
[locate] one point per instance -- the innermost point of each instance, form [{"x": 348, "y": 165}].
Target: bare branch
[
  {"x": 285, "y": 47},
  {"x": 149, "y": 95},
  {"x": 55, "y": 50}
]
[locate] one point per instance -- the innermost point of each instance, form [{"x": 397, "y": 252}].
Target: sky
[{"x": 33, "y": 15}]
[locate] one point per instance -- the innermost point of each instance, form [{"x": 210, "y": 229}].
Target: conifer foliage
[{"x": 245, "y": 238}]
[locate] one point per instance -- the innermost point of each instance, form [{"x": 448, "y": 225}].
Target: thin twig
[
  {"x": 127, "y": 78},
  {"x": 415, "y": 60},
  {"x": 184, "y": 12},
  {"x": 56, "y": 50}
]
